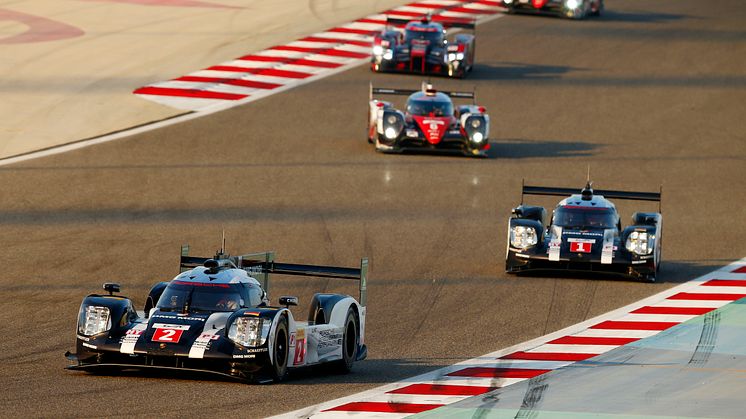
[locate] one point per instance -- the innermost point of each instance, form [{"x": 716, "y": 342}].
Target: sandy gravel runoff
[{"x": 68, "y": 67}]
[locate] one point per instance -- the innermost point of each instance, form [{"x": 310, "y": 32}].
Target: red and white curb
[
  {"x": 322, "y": 54},
  {"x": 502, "y": 368}
]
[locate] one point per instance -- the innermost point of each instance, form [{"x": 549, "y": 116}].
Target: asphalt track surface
[{"x": 653, "y": 93}]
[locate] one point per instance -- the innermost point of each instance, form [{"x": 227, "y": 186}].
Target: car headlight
[
  {"x": 377, "y": 50},
  {"x": 572, "y": 4},
  {"x": 476, "y": 123},
  {"x": 249, "y": 331},
  {"x": 391, "y": 119},
  {"x": 93, "y": 320},
  {"x": 640, "y": 243},
  {"x": 390, "y": 133},
  {"x": 508, "y": 1},
  {"x": 477, "y": 137},
  {"x": 389, "y": 54},
  {"x": 523, "y": 237}
]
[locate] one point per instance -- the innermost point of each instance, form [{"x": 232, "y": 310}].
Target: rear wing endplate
[{"x": 261, "y": 265}]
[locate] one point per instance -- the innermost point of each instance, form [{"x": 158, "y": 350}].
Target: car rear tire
[
  {"x": 350, "y": 343},
  {"x": 280, "y": 351}
]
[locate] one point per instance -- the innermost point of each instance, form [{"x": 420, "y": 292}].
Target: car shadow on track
[
  {"x": 371, "y": 371},
  {"x": 671, "y": 272},
  {"x": 519, "y": 71},
  {"x": 521, "y": 149},
  {"x": 640, "y": 17}
]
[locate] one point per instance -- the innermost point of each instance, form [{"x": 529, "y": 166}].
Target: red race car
[
  {"x": 422, "y": 48},
  {"x": 430, "y": 122},
  {"x": 574, "y": 9}
]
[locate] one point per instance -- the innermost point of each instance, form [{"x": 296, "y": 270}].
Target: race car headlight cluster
[
  {"x": 573, "y": 4},
  {"x": 93, "y": 320},
  {"x": 455, "y": 56},
  {"x": 523, "y": 237},
  {"x": 377, "y": 50},
  {"x": 392, "y": 125},
  {"x": 476, "y": 129},
  {"x": 249, "y": 331},
  {"x": 640, "y": 243}
]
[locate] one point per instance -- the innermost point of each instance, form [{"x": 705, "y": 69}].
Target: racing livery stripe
[
  {"x": 741, "y": 270},
  {"x": 317, "y": 55}
]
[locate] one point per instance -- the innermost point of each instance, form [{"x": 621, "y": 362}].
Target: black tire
[
  {"x": 280, "y": 351},
  {"x": 350, "y": 343}
]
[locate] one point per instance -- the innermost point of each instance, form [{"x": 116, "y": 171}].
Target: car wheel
[
  {"x": 280, "y": 351},
  {"x": 349, "y": 343}
]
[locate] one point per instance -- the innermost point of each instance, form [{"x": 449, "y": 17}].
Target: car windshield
[
  {"x": 428, "y": 107},
  {"x": 434, "y": 37},
  {"x": 195, "y": 296},
  {"x": 582, "y": 217}
]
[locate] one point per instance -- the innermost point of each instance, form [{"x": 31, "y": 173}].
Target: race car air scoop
[{"x": 433, "y": 127}]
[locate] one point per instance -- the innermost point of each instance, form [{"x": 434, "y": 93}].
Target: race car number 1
[{"x": 167, "y": 335}]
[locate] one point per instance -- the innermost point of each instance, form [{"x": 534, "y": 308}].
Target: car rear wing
[
  {"x": 261, "y": 265},
  {"x": 373, "y": 91},
  {"x": 607, "y": 193},
  {"x": 470, "y": 24}
]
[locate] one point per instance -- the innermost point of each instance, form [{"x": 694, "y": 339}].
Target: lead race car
[
  {"x": 430, "y": 122},
  {"x": 423, "y": 48},
  {"x": 215, "y": 318},
  {"x": 585, "y": 234},
  {"x": 573, "y": 9}
]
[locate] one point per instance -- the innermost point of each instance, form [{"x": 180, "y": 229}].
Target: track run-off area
[{"x": 650, "y": 94}]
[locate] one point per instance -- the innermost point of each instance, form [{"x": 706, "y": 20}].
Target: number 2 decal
[{"x": 167, "y": 335}]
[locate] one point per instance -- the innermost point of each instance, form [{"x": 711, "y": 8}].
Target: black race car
[
  {"x": 585, "y": 234},
  {"x": 423, "y": 48},
  {"x": 215, "y": 317},
  {"x": 429, "y": 123},
  {"x": 574, "y": 9}
]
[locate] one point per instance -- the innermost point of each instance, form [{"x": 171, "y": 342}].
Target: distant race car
[
  {"x": 215, "y": 317},
  {"x": 429, "y": 123},
  {"x": 574, "y": 9},
  {"x": 585, "y": 234},
  {"x": 422, "y": 48}
]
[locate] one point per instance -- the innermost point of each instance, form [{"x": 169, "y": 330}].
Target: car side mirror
[
  {"x": 288, "y": 301},
  {"x": 111, "y": 288}
]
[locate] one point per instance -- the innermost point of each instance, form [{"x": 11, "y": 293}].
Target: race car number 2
[{"x": 168, "y": 333}]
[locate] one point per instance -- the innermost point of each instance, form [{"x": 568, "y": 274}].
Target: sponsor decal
[
  {"x": 88, "y": 345},
  {"x": 300, "y": 347},
  {"x": 83, "y": 338},
  {"x": 178, "y": 317},
  {"x": 245, "y": 356}
]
